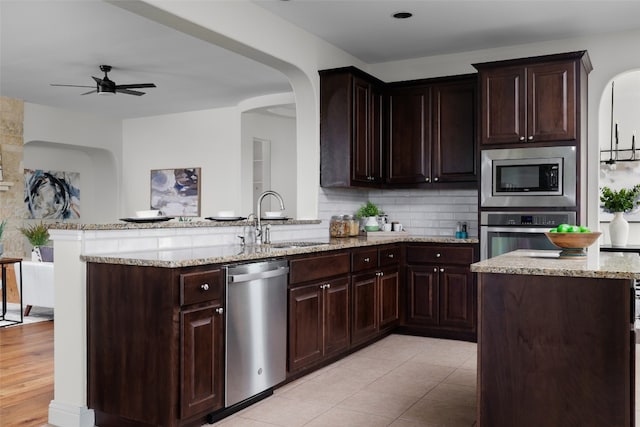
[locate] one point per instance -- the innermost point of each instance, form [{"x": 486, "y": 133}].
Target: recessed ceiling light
[{"x": 402, "y": 15}]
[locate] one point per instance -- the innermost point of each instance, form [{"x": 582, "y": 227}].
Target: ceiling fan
[{"x": 106, "y": 86}]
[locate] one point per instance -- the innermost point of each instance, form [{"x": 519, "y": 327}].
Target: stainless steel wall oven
[{"x": 502, "y": 232}]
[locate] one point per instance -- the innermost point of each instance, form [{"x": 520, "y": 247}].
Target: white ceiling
[{"x": 43, "y": 42}]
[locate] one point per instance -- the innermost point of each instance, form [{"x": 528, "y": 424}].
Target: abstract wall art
[
  {"x": 176, "y": 192},
  {"x": 52, "y": 194}
]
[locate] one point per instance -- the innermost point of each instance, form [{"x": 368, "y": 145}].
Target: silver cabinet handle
[
  {"x": 220, "y": 310},
  {"x": 522, "y": 138},
  {"x": 436, "y": 179},
  {"x": 435, "y": 269},
  {"x": 390, "y": 255},
  {"x": 381, "y": 273},
  {"x": 204, "y": 287},
  {"x": 366, "y": 259},
  {"x": 427, "y": 179},
  {"x": 530, "y": 138},
  {"x": 328, "y": 285},
  {"x": 438, "y": 255},
  {"x": 441, "y": 270}
]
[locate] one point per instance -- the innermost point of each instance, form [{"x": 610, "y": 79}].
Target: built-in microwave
[{"x": 528, "y": 177}]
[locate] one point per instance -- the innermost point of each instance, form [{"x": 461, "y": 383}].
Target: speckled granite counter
[
  {"x": 186, "y": 257},
  {"x": 175, "y": 223},
  {"x": 606, "y": 265}
]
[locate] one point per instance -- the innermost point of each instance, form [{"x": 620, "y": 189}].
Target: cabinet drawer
[
  {"x": 201, "y": 286},
  {"x": 364, "y": 260},
  {"x": 439, "y": 254},
  {"x": 318, "y": 267},
  {"x": 389, "y": 256}
]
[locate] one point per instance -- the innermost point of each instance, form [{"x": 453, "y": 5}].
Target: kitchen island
[{"x": 556, "y": 342}]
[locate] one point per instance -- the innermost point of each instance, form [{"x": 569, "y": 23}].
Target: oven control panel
[{"x": 537, "y": 219}]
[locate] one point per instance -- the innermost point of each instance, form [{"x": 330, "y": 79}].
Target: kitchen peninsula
[
  {"x": 556, "y": 341},
  {"x": 150, "y": 286}
]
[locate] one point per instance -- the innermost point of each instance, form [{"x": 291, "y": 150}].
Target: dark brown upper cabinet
[
  {"x": 350, "y": 129},
  {"x": 533, "y": 100},
  {"x": 432, "y": 132}
]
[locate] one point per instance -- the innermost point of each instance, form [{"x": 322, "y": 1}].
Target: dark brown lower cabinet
[
  {"x": 555, "y": 351},
  {"x": 441, "y": 296},
  {"x": 155, "y": 344},
  {"x": 318, "y": 321},
  {"x": 375, "y": 303}
]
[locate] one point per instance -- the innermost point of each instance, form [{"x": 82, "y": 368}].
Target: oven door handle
[{"x": 516, "y": 229}]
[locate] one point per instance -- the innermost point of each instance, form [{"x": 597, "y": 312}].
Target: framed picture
[
  {"x": 623, "y": 175},
  {"x": 52, "y": 194},
  {"x": 176, "y": 192}
]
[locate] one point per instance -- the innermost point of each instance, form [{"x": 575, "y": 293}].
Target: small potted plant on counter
[
  {"x": 370, "y": 213},
  {"x": 618, "y": 202},
  {"x": 38, "y": 236}
]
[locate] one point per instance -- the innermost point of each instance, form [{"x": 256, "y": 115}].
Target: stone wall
[{"x": 11, "y": 154}]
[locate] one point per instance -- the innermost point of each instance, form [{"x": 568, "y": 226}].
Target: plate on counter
[
  {"x": 225, "y": 218},
  {"x": 149, "y": 219},
  {"x": 275, "y": 218}
]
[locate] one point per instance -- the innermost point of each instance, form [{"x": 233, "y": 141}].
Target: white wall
[
  {"x": 281, "y": 131},
  {"x": 62, "y": 140},
  {"x": 208, "y": 139}
]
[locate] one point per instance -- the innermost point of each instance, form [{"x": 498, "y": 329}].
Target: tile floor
[{"x": 400, "y": 381}]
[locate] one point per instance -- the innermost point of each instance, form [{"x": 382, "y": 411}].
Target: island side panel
[{"x": 554, "y": 351}]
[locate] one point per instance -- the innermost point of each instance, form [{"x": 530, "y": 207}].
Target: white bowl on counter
[
  {"x": 226, "y": 214},
  {"x": 273, "y": 214},
  {"x": 151, "y": 213}
]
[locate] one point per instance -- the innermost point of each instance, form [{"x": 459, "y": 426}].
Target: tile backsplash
[{"x": 422, "y": 212}]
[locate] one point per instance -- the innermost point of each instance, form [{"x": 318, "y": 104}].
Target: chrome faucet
[{"x": 259, "y": 232}]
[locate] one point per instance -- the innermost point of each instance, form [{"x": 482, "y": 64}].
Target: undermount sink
[{"x": 295, "y": 245}]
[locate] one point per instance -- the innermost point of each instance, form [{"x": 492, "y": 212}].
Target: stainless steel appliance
[
  {"x": 528, "y": 177},
  {"x": 256, "y": 328},
  {"x": 502, "y": 232}
]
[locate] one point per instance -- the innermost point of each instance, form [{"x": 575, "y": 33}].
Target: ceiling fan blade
[
  {"x": 129, "y": 92},
  {"x": 99, "y": 81},
  {"x": 54, "y": 84},
  {"x": 134, "y": 86},
  {"x": 87, "y": 93}
]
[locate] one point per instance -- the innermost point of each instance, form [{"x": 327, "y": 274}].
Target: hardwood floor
[{"x": 26, "y": 374}]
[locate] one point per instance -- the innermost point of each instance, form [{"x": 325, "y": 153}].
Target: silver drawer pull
[
  {"x": 220, "y": 310},
  {"x": 367, "y": 260},
  {"x": 438, "y": 255},
  {"x": 204, "y": 287},
  {"x": 390, "y": 255},
  {"x": 435, "y": 269},
  {"x": 441, "y": 270}
]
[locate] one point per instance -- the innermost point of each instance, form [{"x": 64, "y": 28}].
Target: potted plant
[
  {"x": 618, "y": 202},
  {"x": 370, "y": 213},
  {"x": 2, "y": 225},
  {"x": 38, "y": 236}
]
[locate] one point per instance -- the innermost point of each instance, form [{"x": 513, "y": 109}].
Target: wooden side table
[{"x": 4, "y": 263}]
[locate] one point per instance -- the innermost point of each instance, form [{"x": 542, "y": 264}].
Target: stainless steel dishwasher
[{"x": 256, "y": 323}]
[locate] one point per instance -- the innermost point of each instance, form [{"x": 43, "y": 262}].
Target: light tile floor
[{"x": 400, "y": 381}]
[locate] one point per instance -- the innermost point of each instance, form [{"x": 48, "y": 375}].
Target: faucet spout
[{"x": 259, "y": 233}]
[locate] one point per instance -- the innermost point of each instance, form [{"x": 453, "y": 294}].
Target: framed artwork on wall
[
  {"x": 176, "y": 192},
  {"x": 52, "y": 194}
]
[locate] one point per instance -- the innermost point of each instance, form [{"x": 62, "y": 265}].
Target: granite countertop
[
  {"x": 219, "y": 254},
  {"x": 175, "y": 223},
  {"x": 606, "y": 265}
]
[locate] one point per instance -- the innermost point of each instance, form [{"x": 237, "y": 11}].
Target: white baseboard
[{"x": 67, "y": 415}]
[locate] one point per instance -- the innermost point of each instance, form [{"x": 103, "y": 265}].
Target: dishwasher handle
[{"x": 236, "y": 278}]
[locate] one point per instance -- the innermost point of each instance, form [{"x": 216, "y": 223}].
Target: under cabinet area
[
  {"x": 160, "y": 332},
  {"x": 533, "y": 100},
  {"x": 441, "y": 291}
]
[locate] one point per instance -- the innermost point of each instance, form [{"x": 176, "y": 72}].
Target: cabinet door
[
  {"x": 389, "y": 288},
  {"x": 454, "y": 132},
  {"x": 503, "y": 106},
  {"x": 423, "y": 295},
  {"x": 365, "y": 321},
  {"x": 409, "y": 149},
  {"x": 202, "y": 361},
  {"x": 336, "y": 316},
  {"x": 366, "y": 154},
  {"x": 305, "y": 325},
  {"x": 551, "y": 102},
  {"x": 457, "y": 297}
]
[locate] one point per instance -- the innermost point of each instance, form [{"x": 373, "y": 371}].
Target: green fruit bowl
[{"x": 573, "y": 245}]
